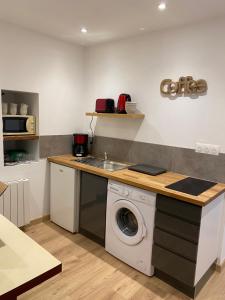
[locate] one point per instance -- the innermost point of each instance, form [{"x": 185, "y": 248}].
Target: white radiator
[{"x": 14, "y": 203}]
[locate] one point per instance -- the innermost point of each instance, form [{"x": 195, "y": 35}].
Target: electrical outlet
[
  {"x": 207, "y": 148},
  {"x": 198, "y": 147},
  {"x": 215, "y": 150}
]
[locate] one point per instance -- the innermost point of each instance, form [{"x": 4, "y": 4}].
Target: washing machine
[{"x": 129, "y": 225}]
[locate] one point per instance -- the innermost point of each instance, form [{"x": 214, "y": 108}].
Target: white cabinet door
[{"x": 64, "y": 197}]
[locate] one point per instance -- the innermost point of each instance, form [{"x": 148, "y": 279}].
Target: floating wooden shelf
[
  {"x": 118, "y": 116},
  {"x": 20, "y": 137}
]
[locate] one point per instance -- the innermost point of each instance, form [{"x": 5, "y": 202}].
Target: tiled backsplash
[
  {"x": 51, "y": 145},
  {"x": 181, "y": 160}
]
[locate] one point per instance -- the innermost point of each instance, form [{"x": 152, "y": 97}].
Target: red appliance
[
  {"x": 80, "y": 144},
  {"x": 105, "y": 106},
  {"x": 122, "y": 102}
]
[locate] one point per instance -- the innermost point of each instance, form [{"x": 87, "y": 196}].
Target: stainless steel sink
[
  {"x": 112, "y": 165},
  {"x": 102, "y": 164}
]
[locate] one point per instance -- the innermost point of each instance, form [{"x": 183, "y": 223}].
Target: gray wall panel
[{"x": 181, "y": 160}]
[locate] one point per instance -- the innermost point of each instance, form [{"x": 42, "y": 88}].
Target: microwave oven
[{"x": 18, "y": 125}]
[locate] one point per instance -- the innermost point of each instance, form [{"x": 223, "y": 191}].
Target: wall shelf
[
  {"x": 20, "y": 137},
  {"x": 114, "y": 115}
]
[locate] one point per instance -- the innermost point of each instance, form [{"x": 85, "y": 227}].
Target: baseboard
[
  {"x": 35, "y": 222},
  {"x": 40, "y": 220},
  {"x": 220, "y": 268}
]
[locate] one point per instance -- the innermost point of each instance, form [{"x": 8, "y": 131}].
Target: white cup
[
  {"x": 4, "y": 108},
  {"x": 23, "y": 109},
  {"x": 13, "y": 108}
]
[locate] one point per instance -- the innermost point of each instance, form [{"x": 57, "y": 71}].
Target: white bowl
[
  {"x": 4, "y": 108},
  {"x": 131, "y": 107}
]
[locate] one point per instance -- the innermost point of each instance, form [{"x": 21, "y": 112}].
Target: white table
[{"x": 23, "y": 263}]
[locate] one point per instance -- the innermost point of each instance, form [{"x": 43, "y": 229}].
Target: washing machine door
[{"x": 127, "y": 222}]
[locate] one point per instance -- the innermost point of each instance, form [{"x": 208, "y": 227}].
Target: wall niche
[{"x": 18, "y": 147}]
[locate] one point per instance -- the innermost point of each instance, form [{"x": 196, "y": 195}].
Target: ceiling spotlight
[
  {"x": 142, "y": 28},
  {"x": 162, "y": 5},
  {"x": 83, "y": 30}
]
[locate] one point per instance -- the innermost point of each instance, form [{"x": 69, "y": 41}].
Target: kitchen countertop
[
  {"x": 156, "y": 184},
  {"x": 23, "y": 263}
]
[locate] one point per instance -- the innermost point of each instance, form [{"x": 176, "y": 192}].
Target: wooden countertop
[
  {"x": 3, "y": 187},
  {"x": 156, "y": 184},
  {"x": 23, "y": 263}
]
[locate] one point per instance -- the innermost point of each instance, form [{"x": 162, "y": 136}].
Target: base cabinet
[
  {"x": 64, "y": 196},
  {"x": 186, "y": 240},
  {"x": 93, "y": 200}
]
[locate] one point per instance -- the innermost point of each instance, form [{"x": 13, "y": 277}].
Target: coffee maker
[{"x": 80, "y": 144}]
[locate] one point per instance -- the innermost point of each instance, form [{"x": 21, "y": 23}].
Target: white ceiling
[{"x": 105, "y": 19}]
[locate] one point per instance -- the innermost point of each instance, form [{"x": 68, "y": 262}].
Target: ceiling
[{"x": 106, "y": 20}]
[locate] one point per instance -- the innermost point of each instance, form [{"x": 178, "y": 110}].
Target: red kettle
[{"x": 122, "y": 103}]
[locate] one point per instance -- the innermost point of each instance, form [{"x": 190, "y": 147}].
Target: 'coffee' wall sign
[{"x": 185, "y": 86}]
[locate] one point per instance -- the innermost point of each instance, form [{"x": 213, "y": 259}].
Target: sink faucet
[{"x": 106, "y": 156}]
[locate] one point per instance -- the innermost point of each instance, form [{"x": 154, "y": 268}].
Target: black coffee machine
[{"x": 80, "y": 144}]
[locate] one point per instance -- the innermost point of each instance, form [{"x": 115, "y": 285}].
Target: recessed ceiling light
[
  {"x": 83, "y": 30},
  {"x": 162, "y": 5},
  {"x": 142, "y": 28}
]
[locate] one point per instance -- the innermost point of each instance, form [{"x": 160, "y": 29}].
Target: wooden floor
[{"x": 89, "y": 272}]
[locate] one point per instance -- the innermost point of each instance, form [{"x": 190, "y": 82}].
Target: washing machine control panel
[
  {"x": 132, "y": 193},
  {"x": 120, "y": 189},
  {"x": 126, "y": 193},
  {"x": 114, "y": 188}
]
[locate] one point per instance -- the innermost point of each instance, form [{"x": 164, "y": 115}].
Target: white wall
[
  {"x": 137, "y": 66},
  {"x": 36, "y": 63}
]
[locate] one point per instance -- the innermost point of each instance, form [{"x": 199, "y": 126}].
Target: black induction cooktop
[
  {"x": 147, "y": 169},
  {"x": 191, "y": 186}
]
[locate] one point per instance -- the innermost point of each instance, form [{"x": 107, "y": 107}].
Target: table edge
[{"x": 31, "y": 283}]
